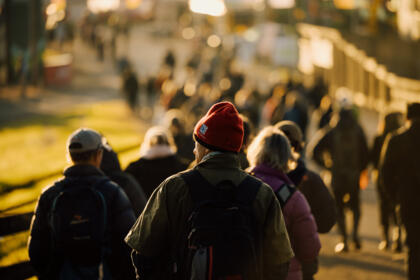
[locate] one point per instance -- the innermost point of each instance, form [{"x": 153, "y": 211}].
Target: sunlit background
[{"x": 62, "y": 66}]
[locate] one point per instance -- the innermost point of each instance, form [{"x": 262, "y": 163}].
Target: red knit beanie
[{"x": 221, "y": 129}]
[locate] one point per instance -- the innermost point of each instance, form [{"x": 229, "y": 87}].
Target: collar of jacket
[
  {"x": 83, "y": 170},
  {"x": 220, "y": 160},
  {"x": 297, "y": 174},
  {"x": 270, "y": 171}
]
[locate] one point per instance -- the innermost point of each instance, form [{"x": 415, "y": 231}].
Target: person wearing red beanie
[
  {"x": 221, "y": 129},
  {"x": 213, "y": 189}
]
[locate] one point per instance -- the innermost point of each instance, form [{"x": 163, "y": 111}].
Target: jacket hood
[
  {"x": 110, "y": 162},
  {"x": 347, "y": 119},
  {"x": 158, "y": 151},
  {"x": 273, "y": 177}
]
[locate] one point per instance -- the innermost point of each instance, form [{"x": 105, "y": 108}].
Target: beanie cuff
[{"x": 211, "y": 147}]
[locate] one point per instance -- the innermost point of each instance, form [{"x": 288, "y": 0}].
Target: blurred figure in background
[
  {"x": 273, "y": 109},
  {"x": 317, "y": 92},
  {"x": 110, "y": 165},
  {"x": 169, "y": 59},
  {"x": 158, "y": 160},
  {"x": 248, "y": 132},
  {"x": 130, "y": 87},
  {"x": 326, "y": 111},
  {"x": 308, "y": 182},
  {"x": 343, "y": 150},
  {"x": 269, "y": 156},
  {"x": 183, "y": 140},
  {"x": 100, "y": 48},
  {"x": 401, "y": 179},
  {"x": 296, "y": 110},
  {"x": 387, "y": 204},
  {"x": 248, "y": 102}
]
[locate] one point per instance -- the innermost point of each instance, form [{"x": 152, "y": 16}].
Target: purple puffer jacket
[{"x": 299, "y": 221}]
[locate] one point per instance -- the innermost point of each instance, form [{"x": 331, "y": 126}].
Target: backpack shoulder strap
[
  {"x": 103, "y": 202},
  {"x": 62, "y": 185},
  {"x": 200, "y": 189},
  {"x": 284, "y": 193},
  {"x": 248, "y": 189}
]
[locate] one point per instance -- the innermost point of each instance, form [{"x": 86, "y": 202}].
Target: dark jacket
[
  {"x": 343, "y": 150},
  {"x": 110, "y": 165},
  {"x": 149, "y": 173},
  {"x": 401, "y": 177},
  {"x": 317, "y": 194},
  {"x": 120, "y": 219},
  {"x": 161, "y": 226},
  {"x": 392, "y": 122},
  {"x": 185, "y": 146}
]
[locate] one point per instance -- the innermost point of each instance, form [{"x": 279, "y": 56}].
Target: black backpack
[
  {"x": 78, "y": 220},
  {"x": 223, "y": 241}
]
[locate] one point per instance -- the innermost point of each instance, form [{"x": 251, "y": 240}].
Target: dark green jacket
[{"x": 159, "y": 229}]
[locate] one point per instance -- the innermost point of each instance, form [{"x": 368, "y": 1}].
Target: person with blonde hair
[
  {"x": 270, "y": 157},
  {"x": 158, "y": 160}
]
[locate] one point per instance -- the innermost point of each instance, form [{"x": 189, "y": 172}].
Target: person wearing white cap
[{"x": 80, "y": 221}]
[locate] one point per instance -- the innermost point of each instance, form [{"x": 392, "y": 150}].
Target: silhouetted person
[
  {"x": 158, "y": 160},
  {"x": 110, "y": 165},
  {"x": 131, "y": 88},
  {"x": 343, "y": 150},
  {"x": 183, "y": 140},
  {"x": 169, "y": 59},
  {"x": 387, "y": 204},
  {"x": 401, "y": 179},
  {"x": 308, "y": 182},
  {"x": 79, "y": 223}
]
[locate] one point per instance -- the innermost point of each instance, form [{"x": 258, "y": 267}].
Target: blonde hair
[
  {"x": 157, "y": 136},
  {"x": 271, "y": 147}
]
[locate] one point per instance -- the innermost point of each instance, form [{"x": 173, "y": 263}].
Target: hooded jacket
[
  {"x": 110, "y": 165},
  {"x": 158, "y": 231},
  {"x": 317, "y": 194},
  {"x": 299, "y": 221},
  {"x": 158, "y": 164},
  {"x": 343, "y": 150}
]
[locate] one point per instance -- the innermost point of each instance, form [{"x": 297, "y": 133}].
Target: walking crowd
[{"x": 222, "y": 188}]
